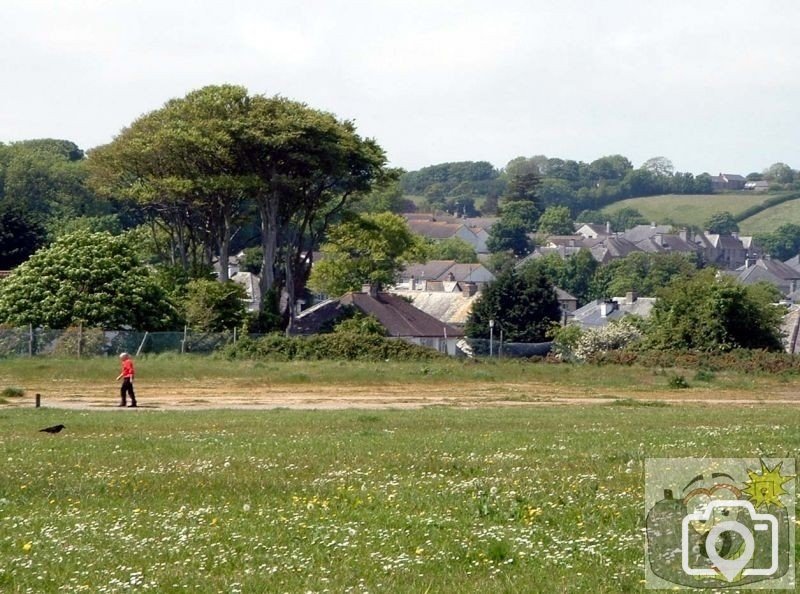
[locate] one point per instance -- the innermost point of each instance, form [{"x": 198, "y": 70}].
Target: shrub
[
  {"x": 612, "y": 337},
  {"x": 336, "y": 346},
  {"x": 12, "y": 392}
]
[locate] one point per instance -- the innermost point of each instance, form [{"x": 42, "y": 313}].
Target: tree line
[{"x": 474, "y": 187}]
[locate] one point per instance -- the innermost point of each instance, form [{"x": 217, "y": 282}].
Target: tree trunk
[{"x": 268, "y": 210}]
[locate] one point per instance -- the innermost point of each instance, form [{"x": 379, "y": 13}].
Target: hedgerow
[{"x": 336, "y": 346}]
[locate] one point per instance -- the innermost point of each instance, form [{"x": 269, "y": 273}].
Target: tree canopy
[
  {"x": 711, "y": 313},
  {"x": 202, "y": 161},
  {"x": 95, "y": 279},
  {"x": 523, "y": 306},
  {"x": 367, "y": 249}
]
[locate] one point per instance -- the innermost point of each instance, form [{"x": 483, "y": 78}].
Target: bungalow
[
  {"x": 602, "y": 311},
  {"x": 401, "y": 320}
]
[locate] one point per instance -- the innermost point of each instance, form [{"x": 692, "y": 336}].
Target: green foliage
[
  {"x": 20, "y": 236},
  {"x": 219, "y": 156},
  {"x": 643, "y": 273},
  {"x": 706, "y": 313},
  {"x": 556, "y": 220},
  {"x": 387, "y": 197},
  {"x": 565, "y": 341},
  {"x": 523, "y": 306},
  {"x": 783, "y": 243},
  {"x": 449, "y": 176},
  {"x": 624, "y": 218},
  {"x": 359, "y": 346},
  {"x": 723, "y": 223},
  {"x": 362, "y": 325},
  {"x": 452, "y": 248},
  {"x": 574, "y": 275},
  {"x": 365, "y": 249},
  {"x": 253, "y": 257},
  {"x": 12, "y": 392},
  {"x": 212, "y": 306},
  {"x": 677, "y": 382},
  {"x": 511, "y": 232},
  {"x": 94, "y": 278}
]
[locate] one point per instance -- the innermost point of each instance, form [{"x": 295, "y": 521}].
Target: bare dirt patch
[{"x": 212, "y": 394}]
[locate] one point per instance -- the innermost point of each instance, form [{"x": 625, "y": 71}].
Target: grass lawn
[
  {"x": 529, "y": 499},
  {"x": 772, "y": 218}
]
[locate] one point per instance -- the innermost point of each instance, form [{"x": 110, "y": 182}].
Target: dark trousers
[{"x": 127, "y": 389}]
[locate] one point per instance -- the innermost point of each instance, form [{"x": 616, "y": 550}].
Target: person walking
[{"x": 127, "y": 380}]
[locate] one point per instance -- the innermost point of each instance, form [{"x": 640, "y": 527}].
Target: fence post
[
  {"x": 30, "y": 340},
  {"x": 80, "y": 338},
  {"x": 234, "y": 335},
  {"x": 183, "y": 342},
  {"x": 141, "y": 345}
]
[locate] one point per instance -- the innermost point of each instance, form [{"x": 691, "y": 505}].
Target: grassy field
[
  {"x": 772, "y": 218},
  {"x": 541, "y": 499},
  {"x": 688, "y": 209},
  {"x": 174, "y": 372}
]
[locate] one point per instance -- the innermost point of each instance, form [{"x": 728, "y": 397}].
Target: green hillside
[{"x": 696, "y": 209}]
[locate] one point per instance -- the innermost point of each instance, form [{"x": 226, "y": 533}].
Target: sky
[{"x": 713, "y": 85}]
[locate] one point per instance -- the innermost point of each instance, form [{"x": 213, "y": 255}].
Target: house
[
  {"x": 475, "y": 231},
  {"x": 757, "y": 186},
  {"x": 251, "y": 285},
  {"x": 401, "y": 320},
  {"x": 602, "y": 311},
  {"x": 449, "y": 306},
  {"x": 641, "y": 232},
  {"x": 772, "y": 271},
  {"x": 593, "y": 231},
  {"x": 610, "y": 248},
  {"x": 672, "y": 243},
  {"x": 727, "y": 181},
  {"x": 728, "y": 251},
  {"x": 419, "y": 276}
]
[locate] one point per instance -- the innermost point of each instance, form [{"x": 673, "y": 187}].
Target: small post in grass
[{"x": 38, "y": 400}]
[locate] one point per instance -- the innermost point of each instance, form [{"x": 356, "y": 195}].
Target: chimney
[
  {"x": 684, "y": 234},
  {"x": 572, "y": 242},
  {"x": 606, "y": 307},
  {"x": 631, "y": 296},
  {"x": 370, "y": 289},
  {"x": 470, "y": 289},
  {"x": 411, "y": 282},
  {"x": 792, "y": 285},
  {"x": 608, "y": 227},
  {"x": 652, "y": 224}
]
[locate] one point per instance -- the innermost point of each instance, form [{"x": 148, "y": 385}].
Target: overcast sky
[{"x": 714, "y": 85}]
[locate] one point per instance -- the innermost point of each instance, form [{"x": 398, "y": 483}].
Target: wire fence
[{"x": 91, "y": 342}]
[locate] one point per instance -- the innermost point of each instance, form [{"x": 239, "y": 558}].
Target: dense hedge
[
  {"x": 340, "y": 345},
  {"x": 742, "y": 360}
]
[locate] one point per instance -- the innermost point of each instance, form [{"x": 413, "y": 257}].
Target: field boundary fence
[{"x": 92, "y": 342}]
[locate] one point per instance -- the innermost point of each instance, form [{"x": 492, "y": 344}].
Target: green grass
[
  {"x": 689, "y": 209},
  {"x": 172, "y": 370},
  {"x": 540, "y": 499},
  {"x": 772, "y": 218}
]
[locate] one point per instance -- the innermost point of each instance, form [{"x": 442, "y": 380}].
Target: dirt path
[{"x": 213, "y": 394}]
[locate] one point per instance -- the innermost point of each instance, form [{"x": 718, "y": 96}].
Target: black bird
[{"x": 53, "y": 429}]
